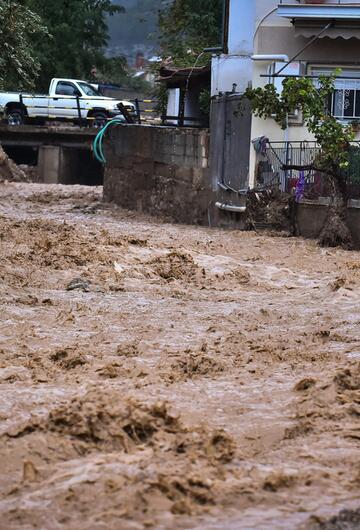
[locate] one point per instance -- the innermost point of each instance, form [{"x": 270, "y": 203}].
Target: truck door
[
  {"x": 63, "y": 104},
  {"x": 36, "y": 106}
]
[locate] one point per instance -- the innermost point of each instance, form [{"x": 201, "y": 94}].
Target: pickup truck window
[
  {"x": 65, "y": 88},
  {"x": 89, "y": 90}
]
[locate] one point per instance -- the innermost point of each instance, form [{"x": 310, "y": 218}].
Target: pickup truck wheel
[
  {"x": 99, "y": 120},
  {"x": 14, "y": 117}
]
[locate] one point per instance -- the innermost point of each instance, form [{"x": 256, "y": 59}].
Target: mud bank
[{"x": 172, "y": 377}]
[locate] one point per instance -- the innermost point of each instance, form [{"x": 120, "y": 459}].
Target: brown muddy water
[{"x": 172, "y": 377}]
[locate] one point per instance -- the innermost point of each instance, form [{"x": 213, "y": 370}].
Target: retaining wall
[
  {"x": 159, "y": 170},
  {"x": 310, "y": 219},
  {"x": 165, "y": 171}
]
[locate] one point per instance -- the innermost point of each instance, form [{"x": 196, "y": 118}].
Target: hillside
[{"x": 134, "y": 30}]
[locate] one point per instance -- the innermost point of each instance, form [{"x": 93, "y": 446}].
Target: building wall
[
  {"x": 160, "y": 170},
  {"x": 276, "y": 35},
  {"x": 235, "y": 67},
  {"x": 254, "y": 28}
]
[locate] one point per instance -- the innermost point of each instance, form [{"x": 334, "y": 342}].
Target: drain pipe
[
  {"x": 271, "y": 57},
  {"x": 230, "y": 207}
]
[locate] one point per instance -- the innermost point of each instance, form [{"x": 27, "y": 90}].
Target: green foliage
[
  {"x": 205, "y": 101},
  {"x": 110, "y": 70},
  {"x": 161, "y": 94},
  {"x": 186, "y": 27},
  {"x": 79, "y": 33},
  {"x": 114, "y": 70},
  {"x": 18, "y": 29},
  {"x": 312, "y": 99}
]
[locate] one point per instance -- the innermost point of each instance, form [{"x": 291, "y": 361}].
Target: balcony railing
[
  {"x": 319, "y": 2},
  {"x": 328, "y": 10}
]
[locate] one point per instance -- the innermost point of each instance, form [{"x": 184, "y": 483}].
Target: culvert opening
[
  {"x": 27, "y": 155},
  {"x": 57, "y": 164},
  {"x": 79, "y": 166}
]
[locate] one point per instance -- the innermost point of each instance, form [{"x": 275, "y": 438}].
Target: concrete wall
[
  {"x": 310, "y": 218},
  {"x": 235, "y": 67},
  {"x": 165, "y": 171},
  {"x": 159, "y": 170}
]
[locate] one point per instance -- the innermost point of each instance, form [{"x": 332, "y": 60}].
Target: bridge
[
  {"x": 36, "y": 136},
  {"x": 62, "y": 153}
]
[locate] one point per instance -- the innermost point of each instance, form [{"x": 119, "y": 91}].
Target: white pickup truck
[{"x": 68, "y": 99}]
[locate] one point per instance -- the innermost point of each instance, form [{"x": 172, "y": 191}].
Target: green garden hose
[{"x": 98, "y": 141}]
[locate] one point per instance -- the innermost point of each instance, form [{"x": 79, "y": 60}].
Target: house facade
[{"x": 266, "y": 40}]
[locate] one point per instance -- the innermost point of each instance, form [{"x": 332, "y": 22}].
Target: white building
[{"x": 299, "y": 38}]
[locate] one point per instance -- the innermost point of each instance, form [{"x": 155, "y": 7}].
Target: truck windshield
[{"x": 89, "y": 90}]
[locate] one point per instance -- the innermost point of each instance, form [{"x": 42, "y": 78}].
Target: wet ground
[{"x": 172, "y": 377}]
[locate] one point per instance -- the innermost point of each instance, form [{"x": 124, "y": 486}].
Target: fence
[
  {"x": 273, "y": 156},
  {"x": 146, "y": 111}
]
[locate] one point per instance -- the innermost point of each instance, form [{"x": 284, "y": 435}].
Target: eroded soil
[{"x": 172, "y": 377}]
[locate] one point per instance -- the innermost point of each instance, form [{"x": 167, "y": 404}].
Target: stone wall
[{"x": 159, "y": 170}]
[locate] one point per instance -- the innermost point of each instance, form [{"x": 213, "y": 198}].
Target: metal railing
[
  {"x": 328, "y": 2},
  {"x": 146, "y": 111},
  {"x": 271, "y": 169}
]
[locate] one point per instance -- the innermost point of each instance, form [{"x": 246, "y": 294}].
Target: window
[
  {"x": 345, "y": 102},
  {"x": 64, "y": 88},
  {"x": 89, "y": 90}
]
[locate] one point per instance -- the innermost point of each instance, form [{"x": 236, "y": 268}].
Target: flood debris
[
  {"x": 78, "y": 284},
  {"x": 345, "y": 520},
  {"x": 9, "y": 171}
]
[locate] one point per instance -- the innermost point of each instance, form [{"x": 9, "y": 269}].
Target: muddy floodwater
[{"x": 172, "y": 377}]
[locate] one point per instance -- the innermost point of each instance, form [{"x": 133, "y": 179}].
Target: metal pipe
[
  {"x": 263, "y": 20},
  {"x": 241, "y": 191},
  {"x": 271, "y": 57},
  {"x": 304, "y": 48},
  {"x": 311, "y": 76},
  {"x": 230, "y": 207}
]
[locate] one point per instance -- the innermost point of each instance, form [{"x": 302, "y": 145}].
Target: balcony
[
  {"x": 310, "y": 18},
  {"x": 321, "y": 10}
]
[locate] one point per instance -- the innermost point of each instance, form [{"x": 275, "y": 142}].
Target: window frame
[
  {"x": 346, "y": 84},
  {"x": 68, "y": 83}
]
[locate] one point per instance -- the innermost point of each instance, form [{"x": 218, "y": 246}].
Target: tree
[
  {"x": 186, "y": 27},
  {"x": 79, "y": 34},
  {"x": 333, "y": 138},
  {"x": 114, "y": 70},
  {"x": 18, "y": 63}
]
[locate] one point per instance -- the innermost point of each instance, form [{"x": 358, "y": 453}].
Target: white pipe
[
  {"x": 230, "y": 207},
  {"x": 271, "y": 57}
]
